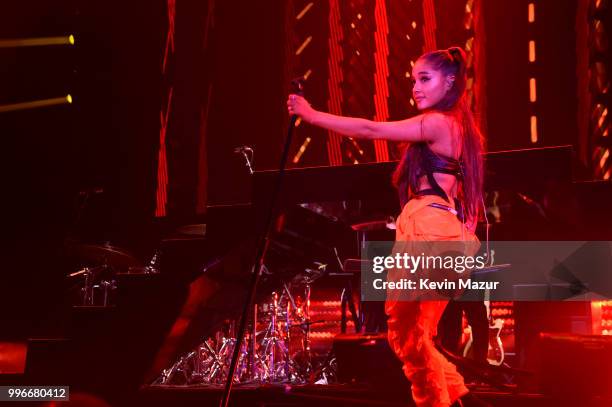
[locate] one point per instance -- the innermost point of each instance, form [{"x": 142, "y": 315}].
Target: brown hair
[{"x": 406, "y": 177}]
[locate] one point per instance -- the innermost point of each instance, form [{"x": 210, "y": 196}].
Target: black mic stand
[{"x": 262, "y": 248}]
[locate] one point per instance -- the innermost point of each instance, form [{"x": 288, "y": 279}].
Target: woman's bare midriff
[{"x": 446, "y": 181}]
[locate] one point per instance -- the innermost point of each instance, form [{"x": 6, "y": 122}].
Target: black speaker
[
  {"x": 576, "y": 366},
  {"x": 49, "y": 361},
  {"x": 369, "y": 360}
]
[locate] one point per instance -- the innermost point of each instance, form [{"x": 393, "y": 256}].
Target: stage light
[
  {"x": 304, "y": 45},
  {"x": 534, "y": 129},
  {"x": 602, "y": 118},
  {"x": 304, "y": 11},
  {"x": 531, "y": 12},
  {"x": 469, "y": 44},
  {"x": 36, "y": 42},
  {"x": 298, "y": 155},
  {"x": 532, "y": 51},
  {"x": 36, "y": 104},
  {"x": 604, "y": 157},
  {"x": 532, "y": 90}
]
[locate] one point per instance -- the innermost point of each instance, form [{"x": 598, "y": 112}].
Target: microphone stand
[
  {"x": 262, "y": 248},
  {"x": 248, "y": 160}
]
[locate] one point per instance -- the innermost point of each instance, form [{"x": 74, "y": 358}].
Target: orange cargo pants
[{"x": 412, "y": 325}]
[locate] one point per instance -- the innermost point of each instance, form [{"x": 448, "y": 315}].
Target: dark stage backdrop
[
  {"x": 510, "y": 108},
  {"x": 223, "y": 87},
  {"x": 199, "y": 78},
  {"x": 103, "y": 144},
  {"x": 227, "y": 74}
]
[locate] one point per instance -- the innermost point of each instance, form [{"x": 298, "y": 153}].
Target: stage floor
[{"x": 327, "y": 395}]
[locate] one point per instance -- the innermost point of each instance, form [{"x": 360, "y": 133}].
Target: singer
[{"x": 441, "y": 168}]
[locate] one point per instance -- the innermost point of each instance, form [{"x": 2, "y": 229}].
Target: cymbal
[
  {"x": 197, "y": 229},
  {"x": 105, "y": 254},
  {"x": 187, "y": 232}
]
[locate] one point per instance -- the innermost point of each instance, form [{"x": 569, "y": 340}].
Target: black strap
[{"x": 458, "y": 212}]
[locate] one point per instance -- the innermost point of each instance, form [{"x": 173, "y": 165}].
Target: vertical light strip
[
  {"x": 162, "y": 162},
  {"x": 381, "y": 75},
  {"x": 429, "y": 26},
  {"x": 532, "y": 81},
  {"x": 170, "y": 34},
  {"x": 596, "y": 59},
  {"x": 469, "y": 21},
  {"x": 478, "y": 47},
  {"x": 334, "y": 63}
]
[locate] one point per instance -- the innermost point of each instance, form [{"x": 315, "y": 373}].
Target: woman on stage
[{"x": 439, "y": 181}]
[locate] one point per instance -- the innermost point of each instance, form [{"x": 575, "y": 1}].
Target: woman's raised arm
[{"x": 408, "y": 130}]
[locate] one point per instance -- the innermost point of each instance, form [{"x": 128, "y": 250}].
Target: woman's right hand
[{"x": 297, "y": 105}]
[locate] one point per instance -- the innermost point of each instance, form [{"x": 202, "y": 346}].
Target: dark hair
[{"x": 406, "y": 177}]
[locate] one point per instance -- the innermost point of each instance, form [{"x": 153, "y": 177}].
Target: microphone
[
  {"x": 243, "y": 149},
  {"x": 297, "y": 85},
  {"x": 91, "y": 191}
]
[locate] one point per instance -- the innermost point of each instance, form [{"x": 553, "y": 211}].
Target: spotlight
[
  {"x": 36, "y": 104},
  {"x": 37, "y": 42}
]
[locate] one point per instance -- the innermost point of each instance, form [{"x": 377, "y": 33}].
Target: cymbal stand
[{"x": 87, "y": 289}]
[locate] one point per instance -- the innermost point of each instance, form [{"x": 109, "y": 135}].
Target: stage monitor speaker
[
  {"x": 368, "y": 359},
  {"x": 576, "y": 366}
]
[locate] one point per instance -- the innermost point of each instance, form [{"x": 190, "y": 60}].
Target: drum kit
[{"x": 275, "y": 350}]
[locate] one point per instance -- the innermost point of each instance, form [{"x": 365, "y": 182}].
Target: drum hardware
[
  {"x": 90, "y": 286},
  {"x": 275, "y": 350},
  {"x": 103, "y": 263},
  {"x": 153, "y": 266}
]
